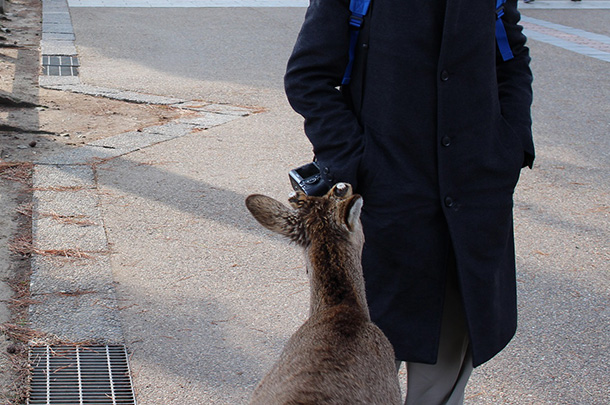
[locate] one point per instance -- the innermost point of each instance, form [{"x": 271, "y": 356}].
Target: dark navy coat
[{"x": 433, "y": 134}]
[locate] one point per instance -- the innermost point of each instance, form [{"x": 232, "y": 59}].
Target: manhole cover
[
  {"x": 60, "y": 65},
  {"x": 80, "y": 375}
]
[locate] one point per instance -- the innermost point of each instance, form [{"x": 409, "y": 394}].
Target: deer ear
[
  {"x": 353, "y": 212},
  {"x": 273, "y": 215}
]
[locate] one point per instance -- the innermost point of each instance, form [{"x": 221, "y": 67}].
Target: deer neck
[{"x": 335, "y": 278}]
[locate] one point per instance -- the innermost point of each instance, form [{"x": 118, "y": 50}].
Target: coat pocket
[{"x": 510, "y": 145}]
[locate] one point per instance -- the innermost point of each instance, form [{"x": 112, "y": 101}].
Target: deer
[{"x": 338, "y": 355}]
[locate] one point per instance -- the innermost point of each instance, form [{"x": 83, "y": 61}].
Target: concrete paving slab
[
  {"x": 61, "y": 15},
  {"x": 58, "y": 27},
  {"x": 49, "y": 177},
  {"x": 84, "y": 155},
  {"x": 72, "y": 317},
  {"x": 208, "y": 120},
  {"x": 70, "y": 275},
  {"x": 59, "y": 232},
  {"x": 57, "y": 36},
  {"x": 71, "y": 203},
  {"x": 117, "y": 94},
  {"x": 54, "y": 47},
  {"x": 71, "y": 285}
]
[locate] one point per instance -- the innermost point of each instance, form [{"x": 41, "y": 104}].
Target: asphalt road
[{"x": 208, "y": 298}]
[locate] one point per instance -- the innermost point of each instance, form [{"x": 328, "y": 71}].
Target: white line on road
[{"x": 573, "y": 39}]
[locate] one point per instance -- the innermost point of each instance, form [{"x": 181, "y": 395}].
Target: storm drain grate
[
  {"x": 80, "y": 375},
  {"x": 60, "y": 65}
]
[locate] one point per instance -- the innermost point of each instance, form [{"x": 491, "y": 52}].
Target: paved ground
[{"x": 203, "y": 298}]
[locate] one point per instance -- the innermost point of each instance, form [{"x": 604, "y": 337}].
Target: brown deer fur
[{"x": 338, "y": 356}]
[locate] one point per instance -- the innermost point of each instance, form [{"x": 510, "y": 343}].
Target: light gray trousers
[{"x": 444, "y": 382}]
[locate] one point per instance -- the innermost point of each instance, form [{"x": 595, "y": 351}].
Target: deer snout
[{"x": 342, "y": 190}]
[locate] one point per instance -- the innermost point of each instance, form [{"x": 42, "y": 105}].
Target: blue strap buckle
[
  {"x": 500, "y": 11},
  {"x": 356, "y": 20}
]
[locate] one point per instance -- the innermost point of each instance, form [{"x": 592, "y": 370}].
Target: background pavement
[{"x": 204, "y": 298}]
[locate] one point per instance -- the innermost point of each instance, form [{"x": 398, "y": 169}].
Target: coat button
[
  {"x": 444, "y": 75},
  {"x": 449, "y": 202},
  {"x": 446, "y": 141},
  {"x": 328, "y": 176}
]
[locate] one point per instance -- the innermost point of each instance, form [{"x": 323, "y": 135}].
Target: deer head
[
  {"x": 329, "y": 229},
  {"x": 337, "y": 213}
]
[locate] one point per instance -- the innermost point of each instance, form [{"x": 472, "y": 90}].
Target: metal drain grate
[
  {"x": 60, "y": 65},
  {"x": 80, "y": 375}
]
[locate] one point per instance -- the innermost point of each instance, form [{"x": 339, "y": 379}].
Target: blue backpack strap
[
  {"x": 501, "y": 37},
  {"x": 358, "y": 8}
]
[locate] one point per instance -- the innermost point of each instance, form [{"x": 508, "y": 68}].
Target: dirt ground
[{"x": 34, "y": 122}]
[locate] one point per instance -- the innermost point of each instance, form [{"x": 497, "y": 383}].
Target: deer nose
[{"x": 341, "y": 189}]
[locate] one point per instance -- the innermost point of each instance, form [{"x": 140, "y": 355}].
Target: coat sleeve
[
  {"x": 515, "y": 82},
  {"x": 313, "y": 74}
]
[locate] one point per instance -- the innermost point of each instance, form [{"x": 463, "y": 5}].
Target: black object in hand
[{"x": 308, "y": 179}]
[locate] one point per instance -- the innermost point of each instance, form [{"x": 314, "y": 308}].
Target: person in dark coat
[{"x": 433, "y": 132}]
